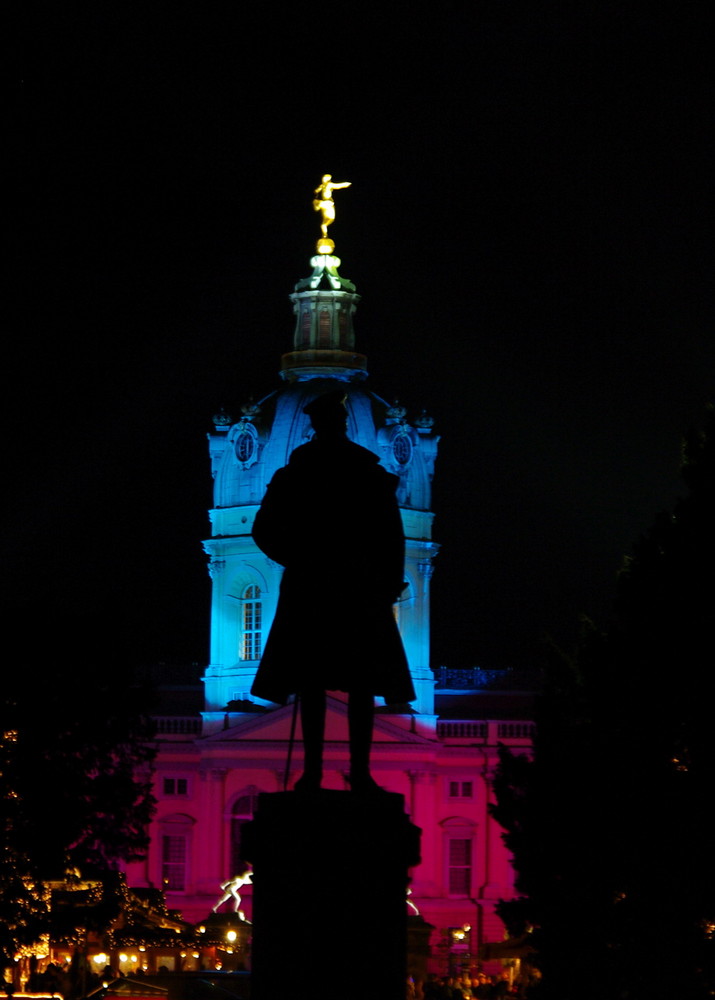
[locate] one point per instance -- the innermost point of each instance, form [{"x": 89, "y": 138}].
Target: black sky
[{"x": 529, "y": 225}]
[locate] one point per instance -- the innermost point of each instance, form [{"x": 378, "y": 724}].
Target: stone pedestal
[{"x": 330, "y": 882}]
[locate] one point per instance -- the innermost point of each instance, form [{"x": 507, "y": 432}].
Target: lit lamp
[
  {"x": 460, "y": 945},
  {"x": 230, "y": 939}
]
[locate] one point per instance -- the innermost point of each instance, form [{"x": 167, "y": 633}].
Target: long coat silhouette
[{"x": 330, "y": 517}]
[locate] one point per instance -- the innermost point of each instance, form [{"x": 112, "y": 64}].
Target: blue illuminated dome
[{"x": 245, "y": 455}]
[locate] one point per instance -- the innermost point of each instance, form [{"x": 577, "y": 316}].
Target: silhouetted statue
[{"x": 331, "y": 518}]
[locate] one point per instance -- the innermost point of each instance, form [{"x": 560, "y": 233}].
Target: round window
[
  {"x": 402, "y": 449},
  {"x": 245, "y": 446}
]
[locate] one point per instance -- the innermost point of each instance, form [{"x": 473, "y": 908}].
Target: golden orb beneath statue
[{"x": 324, "y": 246}]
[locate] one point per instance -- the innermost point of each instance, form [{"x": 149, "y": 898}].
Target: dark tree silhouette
[
  {"x": 609, "y": 824},
  {"x": 75, "y": 781},
  {"x": 22, "y": 907}
]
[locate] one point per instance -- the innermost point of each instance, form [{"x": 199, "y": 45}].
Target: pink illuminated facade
[{"x": 439, "y": 753}]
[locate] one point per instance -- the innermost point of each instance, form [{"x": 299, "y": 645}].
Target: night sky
[{"x": 529, "y": 225}]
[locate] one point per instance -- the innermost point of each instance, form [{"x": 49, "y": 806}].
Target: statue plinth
[{"x": 329, "y": 899}]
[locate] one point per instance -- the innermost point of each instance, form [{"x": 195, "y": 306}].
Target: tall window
[
  {"x": 173, "y": 862},
  {"x": 251, "y": 623},
  {"x": 460, "y": 866},
  {"x": 175, "y": 843},
  {"x": 242, "y": 813},
  {"x": 459, "y": 854}
]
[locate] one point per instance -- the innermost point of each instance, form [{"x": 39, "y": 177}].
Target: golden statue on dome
[{"x": 324, "y": 204}]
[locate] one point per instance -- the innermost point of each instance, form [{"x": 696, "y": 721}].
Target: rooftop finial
[{"x": 324, "y": 204}]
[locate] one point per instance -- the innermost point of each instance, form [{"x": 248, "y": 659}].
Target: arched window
[
  {"x": 241, "y": 813},
  {"x": 251, "y": 623}
]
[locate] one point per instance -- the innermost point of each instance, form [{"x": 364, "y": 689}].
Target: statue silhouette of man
[{"x": 330, "y": 517}]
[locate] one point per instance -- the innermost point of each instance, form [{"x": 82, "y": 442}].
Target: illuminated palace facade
[{"x": 439, "y": 752}]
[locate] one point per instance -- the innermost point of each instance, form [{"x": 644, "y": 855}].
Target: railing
[
  {"x": 177, "y": 725},
  {"x": 515, "y": 730},
  {"x": 488, "y": 732},
  {"x": 463, "y": 730}
]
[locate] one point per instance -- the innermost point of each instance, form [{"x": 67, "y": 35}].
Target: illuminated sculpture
[
  {"x": 230, "y": 890},
  {"x": 326, "y": 206}
]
